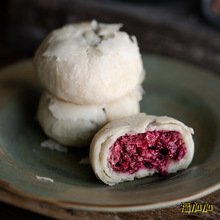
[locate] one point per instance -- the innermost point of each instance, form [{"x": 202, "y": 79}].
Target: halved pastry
[
  {"x": 140, "y": 145},
  {"x": 75, "y": 125}
]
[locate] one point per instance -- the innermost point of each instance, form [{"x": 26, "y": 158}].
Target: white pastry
[
  {"x": 128, "y": 157},
  {"x": 75, "y": 125},
  {"x": 89, "y": 63}
]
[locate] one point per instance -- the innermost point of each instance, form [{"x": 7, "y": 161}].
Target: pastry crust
[
  {"x": 89, "y": 63},
  {"x": 75, "y": 125},
  {"x": 138, "y": 123}
]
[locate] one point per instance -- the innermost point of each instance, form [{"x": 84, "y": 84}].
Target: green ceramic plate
[{"x": 173, "y": 88}]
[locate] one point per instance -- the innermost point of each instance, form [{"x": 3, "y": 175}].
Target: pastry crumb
[
  {"x": 44, "y": 178},
  {"x": 53, "y": 145}
]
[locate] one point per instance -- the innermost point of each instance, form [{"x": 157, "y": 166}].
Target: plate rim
[
  {"x": 104, "y": 208},
  {"x": 110, "y": 208}
]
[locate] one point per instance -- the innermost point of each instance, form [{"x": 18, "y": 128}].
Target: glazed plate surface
[{"x": 173, "y": 88}]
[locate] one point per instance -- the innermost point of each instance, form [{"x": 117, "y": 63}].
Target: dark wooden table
[{"x": 8, "y": 212}]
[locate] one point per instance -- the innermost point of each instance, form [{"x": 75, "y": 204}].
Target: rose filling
[{"x": 149, "y": 150}]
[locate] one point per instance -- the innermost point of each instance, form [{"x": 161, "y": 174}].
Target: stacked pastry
[{"x": 92, "y": 74}]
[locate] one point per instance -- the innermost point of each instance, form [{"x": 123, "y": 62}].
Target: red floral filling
[{"x": 148, "y": 150}]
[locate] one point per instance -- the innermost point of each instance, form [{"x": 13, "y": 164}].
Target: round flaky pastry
[
  {"x": 140, "y": 145},
  {"x": 75, "y": 125},
  {"x": 89, "y": 63}
]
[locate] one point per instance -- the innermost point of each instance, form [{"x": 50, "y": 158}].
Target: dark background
[{"x": 186, "y": 29}]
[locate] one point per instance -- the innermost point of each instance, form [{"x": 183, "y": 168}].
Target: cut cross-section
[{"x": 149, "y": 150}]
